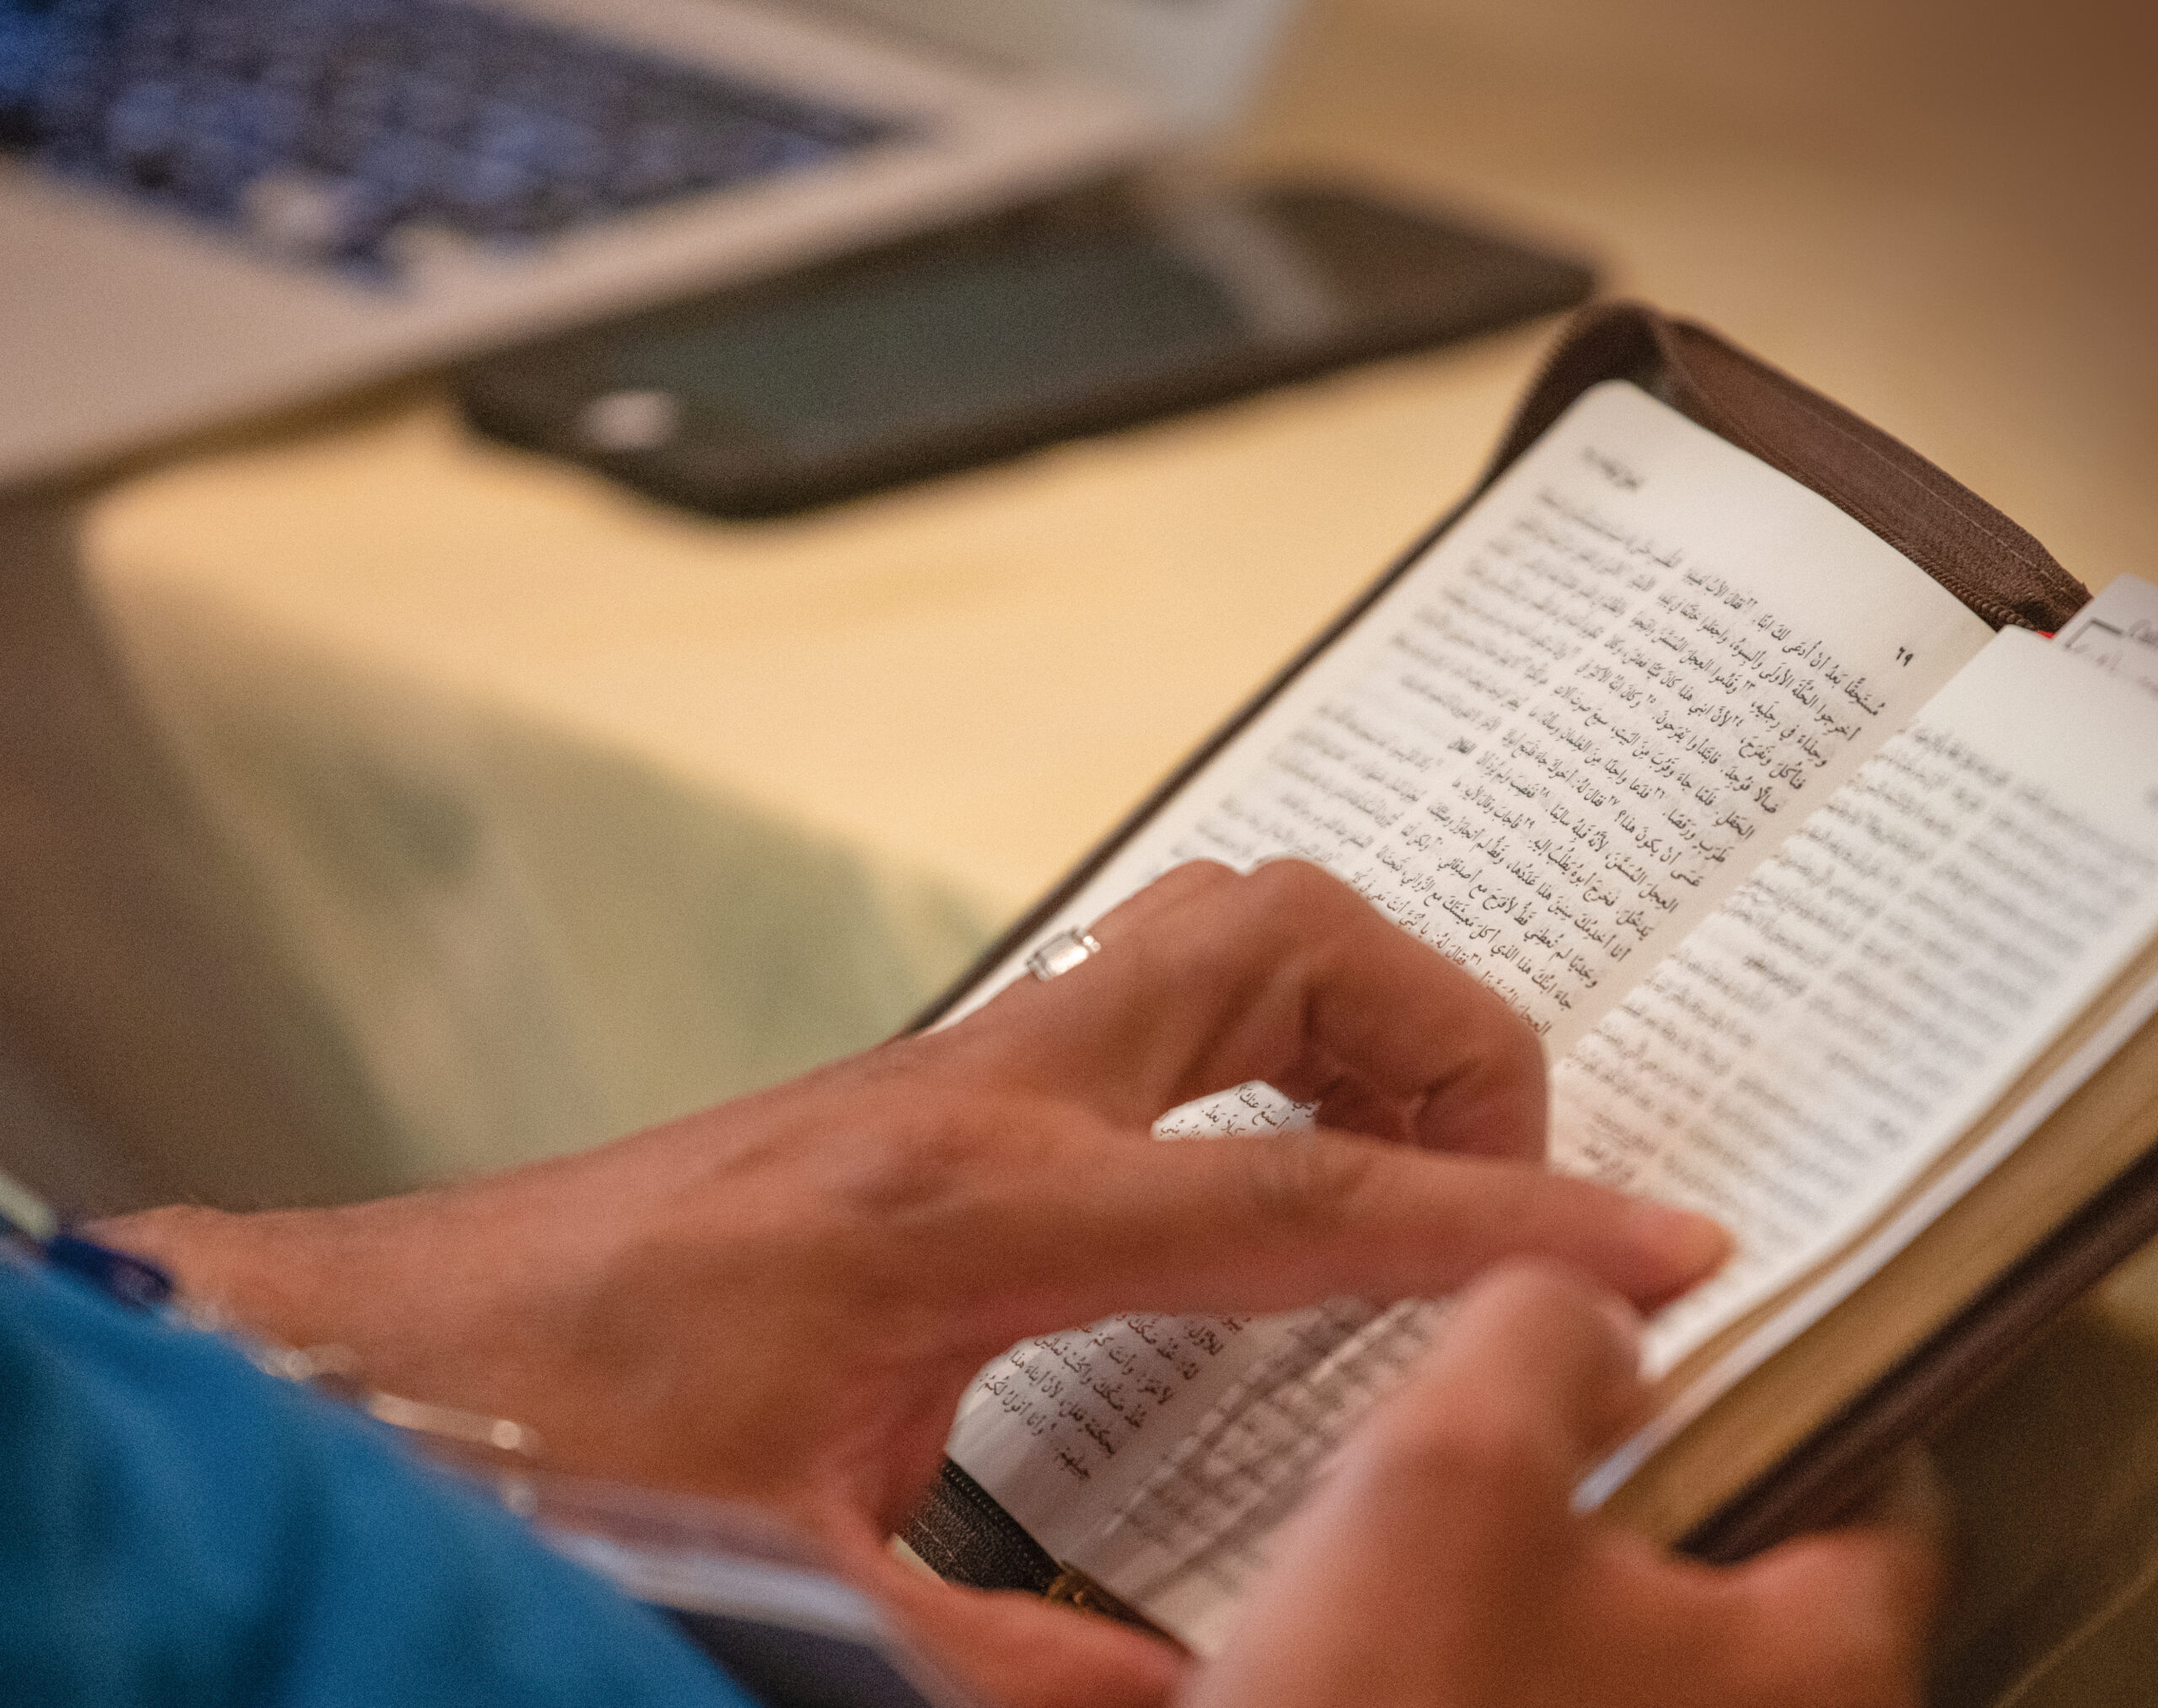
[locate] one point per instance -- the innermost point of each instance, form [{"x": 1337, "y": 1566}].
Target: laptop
[{"x": 211, "y": 208}]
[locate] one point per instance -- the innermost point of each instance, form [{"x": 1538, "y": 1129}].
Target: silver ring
[{"x": 1061, "y": 954}]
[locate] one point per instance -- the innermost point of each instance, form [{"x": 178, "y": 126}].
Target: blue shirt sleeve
[{"x": 178, "y": 1529}]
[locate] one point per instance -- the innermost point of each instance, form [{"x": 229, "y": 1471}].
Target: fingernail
[{"x": 1695, "y": 1245}]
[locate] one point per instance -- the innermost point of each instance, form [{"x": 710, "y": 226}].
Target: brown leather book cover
[{"x": 1997, "y": 570}]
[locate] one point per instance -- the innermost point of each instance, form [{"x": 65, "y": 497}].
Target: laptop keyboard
[{"x": 336, "y": 130}]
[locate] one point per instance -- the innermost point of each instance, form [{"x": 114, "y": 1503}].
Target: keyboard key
[{"x": 318, "y": 129}]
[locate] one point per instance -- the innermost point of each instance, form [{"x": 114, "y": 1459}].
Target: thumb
[
  {"x": 1534, "y": 1374},
  {"x": 1427, "y": 1564},
  {"x": 1866, "y": 1591}
]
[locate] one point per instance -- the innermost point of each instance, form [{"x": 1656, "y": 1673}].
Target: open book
[{"x": 1838, "y": 911}]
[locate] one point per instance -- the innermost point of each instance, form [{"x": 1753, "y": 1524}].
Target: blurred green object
[{"x": 532, "y": 943}]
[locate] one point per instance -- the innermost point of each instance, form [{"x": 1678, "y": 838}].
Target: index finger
[{"x": 1208, "y": 978}]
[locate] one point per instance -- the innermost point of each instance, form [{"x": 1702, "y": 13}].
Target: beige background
[{"x": 573, "y": 811}]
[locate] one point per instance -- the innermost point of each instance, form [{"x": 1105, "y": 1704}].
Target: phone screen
[
  {"x": 958, "y": 347},
  {"x": 937, "y": 345}
]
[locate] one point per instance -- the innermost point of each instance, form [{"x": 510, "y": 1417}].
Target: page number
[{"x": 1904, "y": 655}]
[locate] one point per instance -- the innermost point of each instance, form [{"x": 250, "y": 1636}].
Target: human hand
[
  {"x": 1439, "y": 1562},
  {"x": 783, "y": 1299}
]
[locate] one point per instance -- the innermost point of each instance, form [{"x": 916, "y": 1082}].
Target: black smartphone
[{"x": 1091, "y": 312}]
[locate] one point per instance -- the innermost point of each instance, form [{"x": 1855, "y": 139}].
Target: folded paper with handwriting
[{"x": 1723, "y": 737}]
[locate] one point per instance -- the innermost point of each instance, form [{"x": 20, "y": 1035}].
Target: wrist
[{"x": 302, "y": 1277}]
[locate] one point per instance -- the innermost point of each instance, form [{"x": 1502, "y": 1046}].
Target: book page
[
  {"x": 1802, "y": 1058},
  {"x": 1811, "y": 1052},
  {"x": 1066, "y": 1427},
  {"x": 1562, "y": 736},
  {"x": 1553, "y": 746},
  {"x": 2118, "y": 632},
  {"x": 1186, "y": 1539}
]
